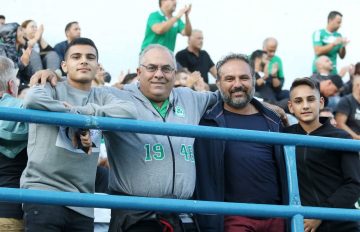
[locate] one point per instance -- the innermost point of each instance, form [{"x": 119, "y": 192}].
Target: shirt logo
[
  {"x": 357, "y": 114},
  {"x": 179, "y": 111}
]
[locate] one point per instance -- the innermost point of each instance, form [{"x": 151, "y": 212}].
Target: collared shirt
[
  {"x": 167, "y": 39},
  {"x": 161, "y": 109},
  {"x": 192, "y": 62}
]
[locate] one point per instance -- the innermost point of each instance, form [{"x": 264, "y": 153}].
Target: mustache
[{"x": 238, "y": 89}]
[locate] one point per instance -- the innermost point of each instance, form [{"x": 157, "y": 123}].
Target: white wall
[{"x": 117, "y": 27}]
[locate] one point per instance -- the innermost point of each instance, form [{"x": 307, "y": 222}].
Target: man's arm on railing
[
  {"x": 111, "y": 107},
  {"x": 43, "y": 98}
]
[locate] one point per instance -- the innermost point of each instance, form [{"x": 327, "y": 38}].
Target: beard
[{"x": 238, "y": 103}]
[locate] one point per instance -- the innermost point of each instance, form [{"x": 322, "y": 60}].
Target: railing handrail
[
  {"x": 182, "y": 130},
  {"x": 294, "y": 210},
  {"x": 172, "y": 205}
]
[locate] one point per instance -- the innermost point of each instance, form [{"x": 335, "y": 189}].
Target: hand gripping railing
[{"x": 294, "y": 210}]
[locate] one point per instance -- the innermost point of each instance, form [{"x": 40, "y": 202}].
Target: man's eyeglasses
[{"x": 166, "y": 69}]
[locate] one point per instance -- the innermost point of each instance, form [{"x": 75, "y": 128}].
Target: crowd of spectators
[{"x": 166, "y": 87}]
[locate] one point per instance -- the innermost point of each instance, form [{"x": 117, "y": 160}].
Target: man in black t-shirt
[
  {"x": 193, "y": 58},
  {"x": 348, "y": 110},
  {"x": 237, "y": 171}
]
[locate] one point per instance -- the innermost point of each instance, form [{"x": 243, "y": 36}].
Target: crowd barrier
[{"x": 294, "y": 211}]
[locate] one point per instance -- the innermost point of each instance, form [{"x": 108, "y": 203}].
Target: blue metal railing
[{"x": 294, "y": 210}]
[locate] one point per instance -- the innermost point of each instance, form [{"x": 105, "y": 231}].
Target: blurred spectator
[
  {"x": 352, "y": 70},
  {"x": 128, "y": 79},
  {"x": 42, "y": 55},
  {"x": 12, "y": 44},
  {"x": 99, "y": 79},
  {"x": 2, "y": 20},
  {"x": 264, "y": 82},
  {"x": 327, "y": 113},
  {"x": 181, "y": 77},
  {"x": 193, "y": 58},
  {"x": 329, "y": 41},
  {"x": 274, "y": 68},
  {"x": 348, "y": 110},
  {"x": 162, "y": 27},
  {"x": 13, "y": 141},
  {"x": 330, "y": 87},
  {"x": 72, "y": 31},
  {"x": 107, "y": 78},
  {"x": 324, "y": 67}
]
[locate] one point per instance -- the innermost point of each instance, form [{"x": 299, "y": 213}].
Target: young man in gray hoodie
[{"x": 60, "y": 158}]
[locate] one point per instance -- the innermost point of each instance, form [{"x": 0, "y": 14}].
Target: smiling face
[
  {"x": 81, "y": 66},
  {"x": 305, "y": 103},
  {"x": 156, "y": 85},
  {"x": 236, "y": 84},
  {"x": 30, "y": 30}
]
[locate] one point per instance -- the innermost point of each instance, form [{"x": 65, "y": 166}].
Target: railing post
[{"x": 297, "y": 221}]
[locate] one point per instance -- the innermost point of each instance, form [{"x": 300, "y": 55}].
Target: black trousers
[
  {"x": 53, "y": 218},
  {"x": 134, "y": 221}
]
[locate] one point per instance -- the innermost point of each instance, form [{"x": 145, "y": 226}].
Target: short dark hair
[
  {"x": 326, "y": 109},
  {"x": 107, "y": 77},
  {"x": 336, "y": 80},
  {"x": 333, "y": 14},
  {"x": 357, "y": 69},
  {"x": 160, "y": 3},
  {"x": 2, "y": 16},
  {"x": 313, "y": 84},
  {"x": 256, "y": 54},
  {"x": 233, "y": 56},
  {"x": 67, "y": 27},
  {"x": 82, "y": 41},
  {"x": 128, "y": 78}
]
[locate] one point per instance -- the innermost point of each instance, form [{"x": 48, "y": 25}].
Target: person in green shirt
[
  {"x": 162, "y": 27},
  {"x": 329, "y": 41},
  {"x": 274, "y": 71}
]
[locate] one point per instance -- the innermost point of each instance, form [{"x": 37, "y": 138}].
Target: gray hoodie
[
  {"x": 51, "y": 167},
  {"x": 156, "y": 165}
]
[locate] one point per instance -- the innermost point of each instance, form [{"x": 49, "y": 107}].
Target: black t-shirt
[
  {"x": 251, "y": 174},
  {"x": 351, "y": 108},
  {"x": 10, "y": 173},
  {"x": 201, "y": 63}
]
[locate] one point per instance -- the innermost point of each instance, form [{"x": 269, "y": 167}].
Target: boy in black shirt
[{"x": 327, "y": 178}]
